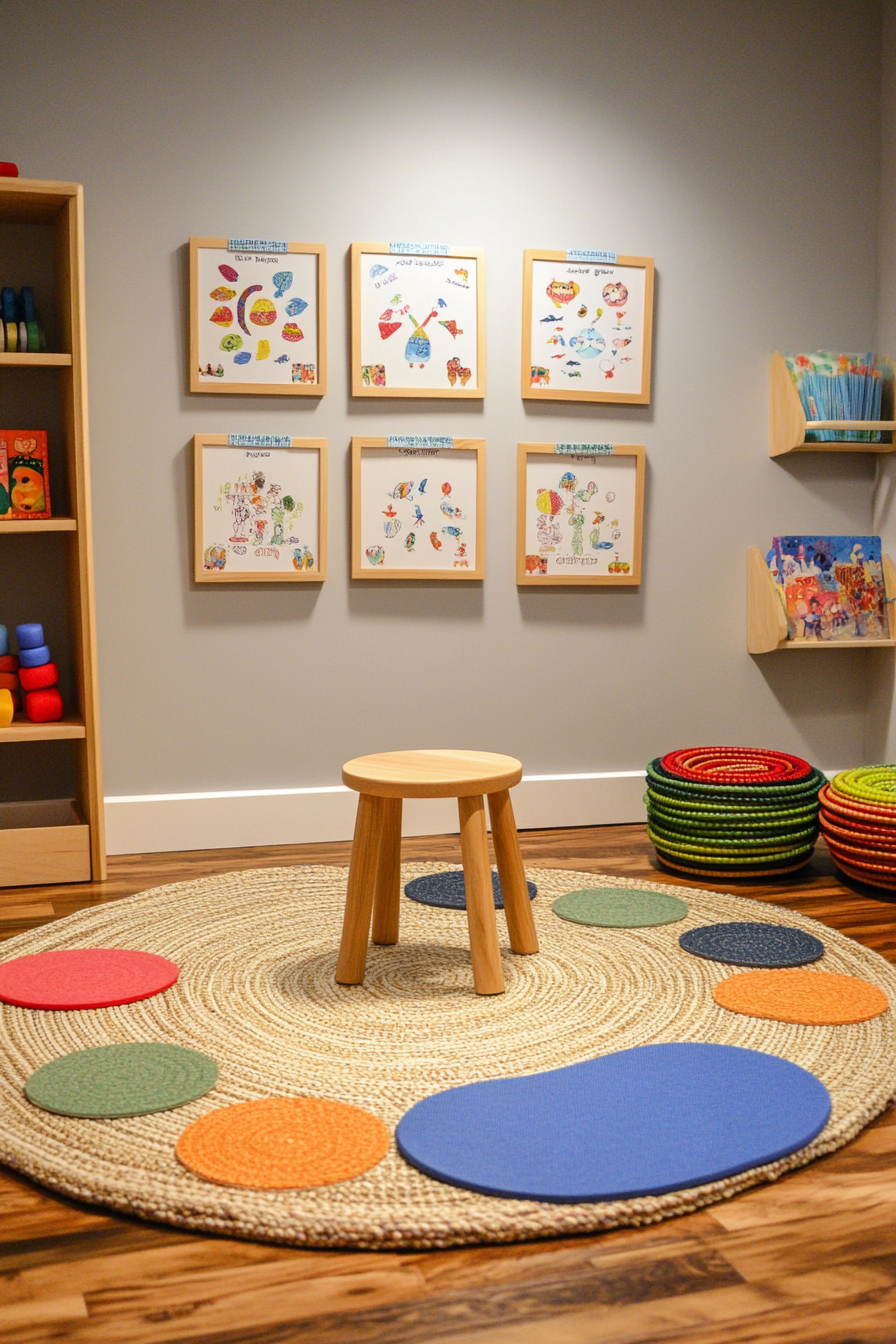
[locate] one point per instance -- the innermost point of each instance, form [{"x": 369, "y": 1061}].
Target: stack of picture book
[{"x": 836, "y": 386}]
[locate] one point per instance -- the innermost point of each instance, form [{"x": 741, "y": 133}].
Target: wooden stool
[{"x": 374, "y": 879}]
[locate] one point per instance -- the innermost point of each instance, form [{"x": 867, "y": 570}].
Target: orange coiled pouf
[
  {"x": 732, "y": 811},
  {"x": 858, "y": 821}
]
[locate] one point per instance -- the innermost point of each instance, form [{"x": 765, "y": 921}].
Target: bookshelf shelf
[
  {"x": 788, "y": 424},
  {"x": 23, "y": 730},
  {"x": 767, "y": 621},
  {"x": 19, "y": 525},
  {"x": 39, "y": 361},
  {"x": 60, "y": 840}
]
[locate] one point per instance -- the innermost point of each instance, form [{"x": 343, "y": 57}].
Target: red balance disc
[
  {"x": 735, "y": 765},
  {"x": 91, "y": 977}
]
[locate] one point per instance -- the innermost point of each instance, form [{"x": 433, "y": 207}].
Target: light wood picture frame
[
  {"x": 258, "y": 317},
  {"x": 580, "y": 514},
  {"x": 418, "y": 321},
  {"x": 259, "y": 509},
  {"x": 587, "y": 327},
  {"x": 418, "y": 508}
]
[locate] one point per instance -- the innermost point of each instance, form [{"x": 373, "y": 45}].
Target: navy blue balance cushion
[
  {"x": 447, "y": 889},
  {"x": 760, "y": 945},
  {"x": 639, "y": 1122}
]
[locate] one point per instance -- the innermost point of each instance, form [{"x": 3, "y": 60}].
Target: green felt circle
[
  {"x": 108, "y": 1082},
  {"x": 619, "y": 907}
]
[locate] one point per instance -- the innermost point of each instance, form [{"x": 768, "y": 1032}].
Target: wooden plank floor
[{"x": 808, "y": 1260}]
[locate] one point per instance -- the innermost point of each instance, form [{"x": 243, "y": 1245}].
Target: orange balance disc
[
  {"x": 284, "y": 1143},
  {"x": 813, "y": 998}
]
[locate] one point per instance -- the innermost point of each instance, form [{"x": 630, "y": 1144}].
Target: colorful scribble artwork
[
  {"x": 416, "y": 318},
  {"x": 832, "y": 587},
  {"x": 259, "y": 510},
  {"x": 257, "y": 308},
  {"x": 411, "y": 526},
  {"x": 593, "y": 320},
  {"x": 579, "y": 518}
]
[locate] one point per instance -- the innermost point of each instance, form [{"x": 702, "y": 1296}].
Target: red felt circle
[
  {"x": 735, "y": 765},
  {"x": 89, "y": 977}
]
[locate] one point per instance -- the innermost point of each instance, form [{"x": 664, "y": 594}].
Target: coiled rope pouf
[
  {"x": 858, "y": 821},
  {"x": 734, "y": 811}
]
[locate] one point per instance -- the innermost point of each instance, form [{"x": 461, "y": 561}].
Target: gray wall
[{"x": 738, "y": 145}]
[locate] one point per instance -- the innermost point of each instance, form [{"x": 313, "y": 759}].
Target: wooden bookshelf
[
  {"x": 60, "y": 839},
  {"x": 767, "y": 618},
  {"x": 788, "y": 423}
]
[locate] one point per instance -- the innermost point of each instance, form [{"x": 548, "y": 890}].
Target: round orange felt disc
[
  {"x": 813, "y": 998},
  {"x": 284, "y": 1143}
]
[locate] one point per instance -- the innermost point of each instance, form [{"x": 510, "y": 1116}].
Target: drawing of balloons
[
  {"x": 243, "y": 357},
  {"x": 611, "y": 495},
  {"x": 232, "y": 342},
  {"x": 615, "y": 294},
  {"x": 292, "y": 333},
  {"x": 264, "y": 349},
  {"x": 295, "y": 306},
  {"x": 283, "y": 281},
  {"x": 222, "y": 316},
  {"x": 588, "y": 344},
  {"x": 222, "y": 294},
  {"x": 241, "y": 307},
  {"x": 229, "y": 273},
  {"x": 548, "y": 502}
]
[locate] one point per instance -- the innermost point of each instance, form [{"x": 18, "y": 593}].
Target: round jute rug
[{"x": 257, "y": 954}]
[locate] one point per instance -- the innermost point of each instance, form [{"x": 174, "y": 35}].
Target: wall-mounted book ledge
[
  {"x": 767, "y": 615},
  {"x": 788, "y": 423}
]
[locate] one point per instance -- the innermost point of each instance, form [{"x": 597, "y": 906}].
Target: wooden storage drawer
[{"x": 43, "y": 842}]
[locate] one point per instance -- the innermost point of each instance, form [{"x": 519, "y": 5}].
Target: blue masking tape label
[
  {"x": 427, "y": 249},
  {"x": 259, "y": 440},
  {"x": 419, "y": 441},
  {"x": 256, "y": 245},
  {"x": 585, "y": 449},
  {"x": 589, "y": 254}
]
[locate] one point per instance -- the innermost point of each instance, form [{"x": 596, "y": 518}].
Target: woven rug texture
[{"x": 257, "y": 954}]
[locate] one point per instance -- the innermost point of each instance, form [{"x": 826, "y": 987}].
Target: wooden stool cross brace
[{"x": 374, "y": 880}]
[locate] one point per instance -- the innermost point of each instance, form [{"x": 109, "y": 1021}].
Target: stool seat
[
  {"x": 431, "y": 774},
  {"x": 374, "y": 878}
]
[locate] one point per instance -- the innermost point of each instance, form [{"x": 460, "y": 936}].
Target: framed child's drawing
[
  {"x": 418, "y": 320},
  {"x": 260, "y": 509},
  {"x": 258, "y": 316},
  {"x": 418, "y": 508},
  {"x": 580, "y": 512},
  {"x": 587, "y": 326}
]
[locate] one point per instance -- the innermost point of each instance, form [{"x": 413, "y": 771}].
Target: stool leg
[
  {"x": 488, "y": 976},
  {"x": 517, "y": 906},
  {"x": 387, "y": 894},
  {"x": 359, "y": 898}
]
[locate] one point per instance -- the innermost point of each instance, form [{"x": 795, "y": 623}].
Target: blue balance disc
[
  {"x": 639, "y": 1122},
  {"x": 761, "y": 945},
  {"x": 448, "y": 890}
]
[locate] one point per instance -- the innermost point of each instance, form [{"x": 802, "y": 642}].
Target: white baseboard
[{"x": 155, "y": 823}]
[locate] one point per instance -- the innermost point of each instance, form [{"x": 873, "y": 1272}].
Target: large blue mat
[{"x": 640, "y": 1122}]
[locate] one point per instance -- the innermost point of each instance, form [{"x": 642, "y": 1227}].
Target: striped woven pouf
[
  {"x": 733, "y": 811},
  {"x": 858, "y": 821}
]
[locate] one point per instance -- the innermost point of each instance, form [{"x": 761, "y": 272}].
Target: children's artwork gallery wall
[{"x": 503, "y": 484}]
